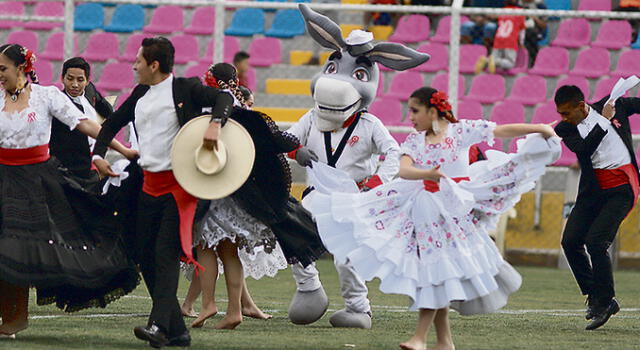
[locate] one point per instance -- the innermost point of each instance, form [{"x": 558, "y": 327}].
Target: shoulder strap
[{"x": 332, "y": 158}]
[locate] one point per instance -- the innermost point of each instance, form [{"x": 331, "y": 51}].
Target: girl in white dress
[{"x": 425, "y": 235}]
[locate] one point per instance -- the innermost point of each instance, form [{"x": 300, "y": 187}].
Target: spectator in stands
[
  {"x": 536, "y": 28},
  {"x": 632, "y": 6},
  {"x": 505, "y": 43},
  {"x": 478, "y": 30},
  {"x": 241, "y": 62},
  {"x": 381, "y": 18}
]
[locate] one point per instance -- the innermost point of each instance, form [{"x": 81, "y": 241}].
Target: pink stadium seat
[
  {"x": 545, "y": 113},
  {"x": 101, "y": 47},
  {"x": 54, "y": 48},
  {"x": 11, "y": 8},
  {"x": 186, "y": 46},
  {"x": 165, "y": 20},
  {"x": 251, "y": 79},
  {"x": 115, "y": 76},
  {"x": 444, "y": 29},
  {"x": 603, "y": 88},
  {"x": 566, "y": 157},
  {"x": 197, "y": 70},
  {"x": 469, "y": 110},
  {"x": 507, "y": 112},
  {"x": 613, "y": 35},
  {"x": 522, "y": 64},
  {"x": 403, "y": 84},
  {"x": 131, "y": 48},
  {"x": 202, "y": 22},
  {"x": 513, "y": 145},
  {"x": 551, "y": 61},
  {"x": 441, "y": 83},
  {"x": 628, "y": 64},
  {"x": 594, "y": 5},
  {"x": 380, "y": 90},
  {"x": 529, "y": 90},
  {"x": 573, "y": 32},
  {"x": 469, "y": 54},
  {"x": 44, "y": 69},
  {"x": 634, "y": 123},
  {"x": 265, "y": 52},
  {"x": 439, "y": 57},
  {"x": 497, "y": 145},
  {"x": 487, "y": 88},
  {"x": 231, "y": 46},
  {"x": 122, "y": 96},
  {"x": 54, "y": 9},
  {"x": 399, "y": 136},
  {"x": 25, "y": 38},
  {"x": 411, "y": 29},
  {"x": 388, "y": 110},
  {"x": 592, "y": 63},
  {"x": 580, "y": 82}
]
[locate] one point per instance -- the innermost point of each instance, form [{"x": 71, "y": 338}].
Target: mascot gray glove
[{"x": 304, "y": 156}]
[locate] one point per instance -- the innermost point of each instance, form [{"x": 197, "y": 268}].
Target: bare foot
[
  {"x": 444, "y": 347},
  {"x": 229, "y": 322},
  {"x": 188, "y": 311},
  {"x": 206, "y": 313},
  {"x": 255, "y": 312},
  {"x": 413, "y": 344},
  {"x": 9, "y": 328}
]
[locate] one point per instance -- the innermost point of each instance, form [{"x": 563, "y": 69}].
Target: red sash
[
  {"x": 433, "y": 186},
  {"x": 161, "y": 183},
  {"x": 24, "y": 156},
  {"x": 626, "y": 174}
]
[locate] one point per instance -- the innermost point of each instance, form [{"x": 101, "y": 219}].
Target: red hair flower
[
  {"x": 29, "y": 59},
  {"x": 211, "y": 80},
  {"x": 439, "y": 100}
]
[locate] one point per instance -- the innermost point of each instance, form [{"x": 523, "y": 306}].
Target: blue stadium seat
[
  {"x": 271, "y": 10},
  {"x": 286, "y": 24},
  {"x": 246, "y": 22},
  {"x": 488, "y": 3},
  {"x": 88, "y": 17},
  {"x": 126, "y": 18},
  {"x": 557, "y": 5},
  {"x": 636, "y": 44}
]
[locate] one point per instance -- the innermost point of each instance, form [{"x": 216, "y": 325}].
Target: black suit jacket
[
  {"x": 189, "y": 97},
  {"x": 584, "y": 148},
  {"x": 71, "y": 147}
]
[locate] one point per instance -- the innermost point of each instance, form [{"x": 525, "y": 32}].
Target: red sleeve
[{"x": 292, "y": 154}]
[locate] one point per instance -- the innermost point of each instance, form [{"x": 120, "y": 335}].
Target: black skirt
[{"x": 58, "y": 237}]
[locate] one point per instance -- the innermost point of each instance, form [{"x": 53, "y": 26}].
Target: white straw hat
[{"x": 212, "y": 174}]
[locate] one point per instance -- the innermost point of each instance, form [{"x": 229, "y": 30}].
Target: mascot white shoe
[{"x": 338, "y": 131}]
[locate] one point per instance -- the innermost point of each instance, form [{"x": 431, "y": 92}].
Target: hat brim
[{"x": 240, "y": 157}]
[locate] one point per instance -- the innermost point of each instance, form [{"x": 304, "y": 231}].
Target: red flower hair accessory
[
  {"x": 29, "y": 59},
  {"x": 440, "y": 100},
  {"x": 211, "y": 80}
]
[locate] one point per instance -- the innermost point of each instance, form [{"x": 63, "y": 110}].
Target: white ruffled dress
[{"x": 434, "y": 246}]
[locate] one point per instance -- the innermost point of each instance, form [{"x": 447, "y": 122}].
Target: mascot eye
[
  {"x": 331, "y": 68},
  {"x": 361, "y": 75}
]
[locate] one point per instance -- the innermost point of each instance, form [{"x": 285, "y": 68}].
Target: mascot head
[{"x": 349, "y": 79}]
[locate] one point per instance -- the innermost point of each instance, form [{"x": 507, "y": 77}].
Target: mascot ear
[
  {"x": 323, "y": 30},
  {"x": 397, "y": 56}
]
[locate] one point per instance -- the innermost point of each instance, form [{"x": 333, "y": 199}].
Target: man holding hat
[{"x": 158, "y": 107}]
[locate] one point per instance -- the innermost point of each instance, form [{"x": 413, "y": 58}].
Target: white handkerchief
[
  {"x": 326, "y": 179},
  {"x": 622, "y": 86},
  {"x": 118, "y": 168}
]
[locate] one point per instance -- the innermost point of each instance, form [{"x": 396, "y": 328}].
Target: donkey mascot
[{"x": 338, "y": 131}]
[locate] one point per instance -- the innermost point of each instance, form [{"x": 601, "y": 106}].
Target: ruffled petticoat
[
  {"x": 434, "y": 247},
  {"x": 257, "y": 246}
]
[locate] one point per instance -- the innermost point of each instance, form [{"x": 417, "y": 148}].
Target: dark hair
[
  {"x": 424, "y": 95},
  {"x": 76, "y": 62},
  {"x": 568, "y": 93},
  {"x": 246, "y": 92},
  {"x": 159, "y": 49},
  {"x": 16, "y": 53},
  {"x": 240, "y": 56},
  {"x": 227, "y": 78}
]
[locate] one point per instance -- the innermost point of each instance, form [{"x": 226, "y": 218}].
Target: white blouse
[
  {"x": 611, "y": 152},
  {"x": 452, "y": 154},
  {"x": 31, "y": 126}
]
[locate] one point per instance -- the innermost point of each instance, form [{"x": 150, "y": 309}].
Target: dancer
[
  {"x": 51, "y": 235},
  {"x": 425, "y": 235},
  {"x": 245, "y": 246},
  {"x": 600, "y": 136},
  {"x": 341, "y": 132},
  {"x": 159, "y": 106}
]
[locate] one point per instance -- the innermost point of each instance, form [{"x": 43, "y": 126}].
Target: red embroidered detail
[
  {"x": 349, "y": 120},
  {"x": 354, "y": 140},
  {"x": 31, "y": 117}
]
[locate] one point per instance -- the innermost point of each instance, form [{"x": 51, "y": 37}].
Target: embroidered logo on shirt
[
  {"x": 616, "y": 123},
  {"x": 31, "y": 117},
  {"x": 354, "y": 140}
]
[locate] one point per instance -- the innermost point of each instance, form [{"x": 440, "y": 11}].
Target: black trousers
[
  {"x": 159, "y": 248},
  {"x": 593, "y": 223}
]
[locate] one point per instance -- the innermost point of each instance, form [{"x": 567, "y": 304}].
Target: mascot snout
[{"x": 336, "y": 100}]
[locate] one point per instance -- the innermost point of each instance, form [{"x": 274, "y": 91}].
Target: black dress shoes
[
  {"x": 590, "y": 308},
  {"x": 182, "y": 340},
  {"x": 602, "y": 314},
  {"x": 153, "y": 334}
]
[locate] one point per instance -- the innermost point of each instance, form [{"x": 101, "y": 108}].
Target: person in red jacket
[{"x": 505, "y": 43}]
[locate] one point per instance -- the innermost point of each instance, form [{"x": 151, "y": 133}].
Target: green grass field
[{"x": 545, "y": 314}]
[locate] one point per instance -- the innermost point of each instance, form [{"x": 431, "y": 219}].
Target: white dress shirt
[
  {"x": 368, "y": 138},
  {"x": 89, "y": 111},
  {"x": 157, "y": 126},
  {"x": 611, "y": 153}
]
